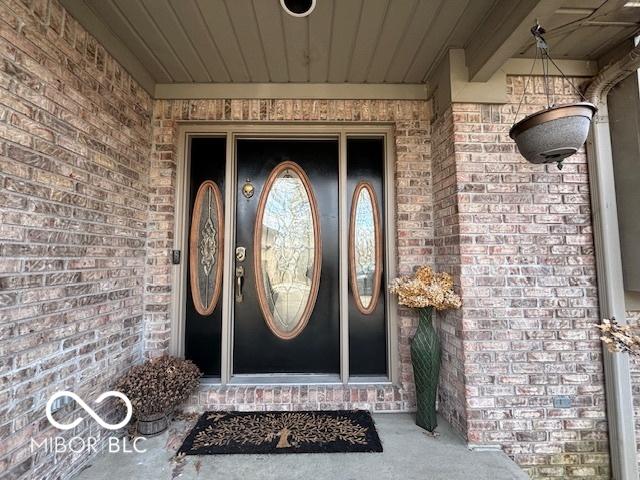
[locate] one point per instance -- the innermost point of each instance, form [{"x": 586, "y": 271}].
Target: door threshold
[
  {"x": 297, "y": 380},
  {"x": 285, "y": 379},
  {"x": 370, "y": 380}
]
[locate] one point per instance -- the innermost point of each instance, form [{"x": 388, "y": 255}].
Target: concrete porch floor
[{"x": 408, "y": 454}]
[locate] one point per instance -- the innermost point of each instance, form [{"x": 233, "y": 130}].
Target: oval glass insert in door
[
  {"x": 365, "y": 249},
  {"x": 205, "y": 248},
  {"x": 287, "y": 250}
]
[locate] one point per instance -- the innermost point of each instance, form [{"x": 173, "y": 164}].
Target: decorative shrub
[{"x": 158, "y": 386}]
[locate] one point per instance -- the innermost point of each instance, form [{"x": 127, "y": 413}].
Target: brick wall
[
  {"x": 74, "y": 165},
  {"x": 633, "y": 317},
  {"x": 451, "y": 394},
  {"x": 527, "y": 270},
  {"x": 414, "y": 224}
]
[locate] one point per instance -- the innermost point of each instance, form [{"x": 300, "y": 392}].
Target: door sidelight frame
[{"x": 232, "y": 131}]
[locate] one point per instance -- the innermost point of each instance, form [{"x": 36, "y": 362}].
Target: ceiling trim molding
[
  {"x": 116, "y": 47},
  {"x": 450, "y": 82},
  {"x": 571, "y": 68},
  {"x": 494, "y": 90},
  {"x": 316, "y": 91}
]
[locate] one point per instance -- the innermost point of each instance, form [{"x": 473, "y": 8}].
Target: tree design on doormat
[{"x": 291, "y": 430}]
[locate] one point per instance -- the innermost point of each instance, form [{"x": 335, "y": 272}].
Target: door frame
[{"x": 232, "y": 131}]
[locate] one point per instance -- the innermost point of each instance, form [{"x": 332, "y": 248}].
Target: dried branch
[{"x": 619, "y": 338}]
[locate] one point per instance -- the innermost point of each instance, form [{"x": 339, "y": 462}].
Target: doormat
[{"x": 334, "y": 431}]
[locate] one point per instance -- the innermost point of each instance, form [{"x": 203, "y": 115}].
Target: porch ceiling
[
  {"x": 586, "y": 29},
  {"x": 342, "y": 41}
]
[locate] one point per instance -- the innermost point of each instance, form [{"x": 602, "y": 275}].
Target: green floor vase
[{"x": 425, "y": 357}]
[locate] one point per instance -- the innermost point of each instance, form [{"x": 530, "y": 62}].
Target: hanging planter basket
[
  {"x": 558, "y": 131},
  {"x": 555, "y": 133}
]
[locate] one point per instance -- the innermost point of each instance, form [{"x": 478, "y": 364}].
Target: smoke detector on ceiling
[{"x": 298, "y": 8}]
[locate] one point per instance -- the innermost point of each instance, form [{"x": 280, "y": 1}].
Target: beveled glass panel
[
  {"x": 287, "y": 246},
  {"x": 365, "y": 249},
  {"x": 205, "y": 248}
]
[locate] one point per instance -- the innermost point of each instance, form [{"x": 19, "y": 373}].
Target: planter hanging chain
[
  {"x": 542, "y": 47},
  {"x": 558, "y": 131},
  {"x": 537, "y": 31},
  {"x": 526, "y": 85}
]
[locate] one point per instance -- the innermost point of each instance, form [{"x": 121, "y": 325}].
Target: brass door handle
[{"x": 239, "y": 282}]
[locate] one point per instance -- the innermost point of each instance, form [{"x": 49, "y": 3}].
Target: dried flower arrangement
[
  {"x": 619, "y": 338},
  {"x": 426, "y": 288},
  {"x": 158, "y": 386},
  {"x": 425, "y": 291}
]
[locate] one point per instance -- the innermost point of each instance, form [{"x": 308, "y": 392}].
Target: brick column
[
  {"x": 518, "y": 238},
  {"x": 451, "y": 395}
]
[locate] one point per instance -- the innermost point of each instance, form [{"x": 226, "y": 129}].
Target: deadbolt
[{"x": 240, "y": 254}]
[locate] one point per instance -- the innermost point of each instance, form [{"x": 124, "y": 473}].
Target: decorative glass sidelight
[
  {"x": 365, "y": 249},
  {"x": 287, "y": 250},
  {"x": 205, "y": 248}
]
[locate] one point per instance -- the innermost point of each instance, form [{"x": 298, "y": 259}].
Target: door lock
[
  {"x": 241, "y": 254},
  {"x": 239, "y": 282}
]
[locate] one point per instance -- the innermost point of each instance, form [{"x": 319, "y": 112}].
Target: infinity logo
[{"x": 89, "y": 410}]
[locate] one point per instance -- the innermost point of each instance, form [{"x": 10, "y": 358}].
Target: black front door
[{"x": 287, "y": 317}]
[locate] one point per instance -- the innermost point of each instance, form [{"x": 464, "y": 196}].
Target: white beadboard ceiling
[
  {"x": 586, "y": 29},
  {"x": 342, "y": 41}
]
